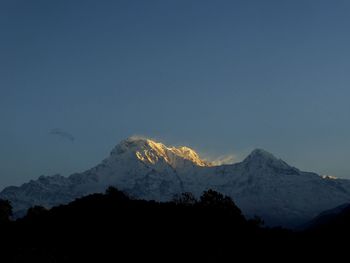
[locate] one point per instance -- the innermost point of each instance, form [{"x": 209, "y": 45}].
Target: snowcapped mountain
[{"x": 261, "y": 185}]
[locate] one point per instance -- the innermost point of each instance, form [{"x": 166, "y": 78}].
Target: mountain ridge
[{"x": 261, "y": 184}]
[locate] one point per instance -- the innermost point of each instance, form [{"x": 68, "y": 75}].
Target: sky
[{"x": 223, "y": 77}]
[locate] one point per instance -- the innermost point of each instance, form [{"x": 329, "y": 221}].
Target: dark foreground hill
[{"x": 112, "y": 227}]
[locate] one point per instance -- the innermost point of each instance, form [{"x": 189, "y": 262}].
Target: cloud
[
  {"x": 330, "y": 177},
  {"x": 62, "y": 134},
  {"x": 139, "y": 137},
  {"x": 225, "y": 159}
]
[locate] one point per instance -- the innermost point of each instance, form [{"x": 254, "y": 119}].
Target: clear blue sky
[{"x": 221, "y": 76}]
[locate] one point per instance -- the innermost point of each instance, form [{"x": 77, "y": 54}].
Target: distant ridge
[{"x": 261, "y": 184}]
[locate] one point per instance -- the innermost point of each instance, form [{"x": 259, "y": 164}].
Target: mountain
[
  {"x": 261, "y": 184},
  {"x": 330, "y": 217}
]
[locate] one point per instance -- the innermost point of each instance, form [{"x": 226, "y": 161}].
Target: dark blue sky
[{"x": 221, "y": 76}]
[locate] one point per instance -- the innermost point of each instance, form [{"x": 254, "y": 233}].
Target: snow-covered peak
[
  {"x": 152, "y": 152},
  {"x": 188, "y": 154},
  {"x": 260, "y": 158},
  {"x": 129, "y": 144},
  {"x": 260, "y": 154}
]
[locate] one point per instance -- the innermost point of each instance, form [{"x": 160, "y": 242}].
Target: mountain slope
[
  {"x": 328, "y": 217},
  {"x": 260, "y": 185}
]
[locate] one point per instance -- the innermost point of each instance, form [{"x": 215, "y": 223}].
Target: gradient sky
[{"x": 223, "y": 77}]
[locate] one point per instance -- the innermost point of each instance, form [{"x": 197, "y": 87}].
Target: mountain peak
[
  {"x": 151, "y": 152},
  {"x": 261, "y": 154},
  {"x": 261, "y": 158}
]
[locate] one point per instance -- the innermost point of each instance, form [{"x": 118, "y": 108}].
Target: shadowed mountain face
[
  {"x": 261, "y": 185},
  {"x": 335, "y": 219}
]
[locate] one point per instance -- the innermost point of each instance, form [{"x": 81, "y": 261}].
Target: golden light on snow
[{"x": 156, "y": 150}]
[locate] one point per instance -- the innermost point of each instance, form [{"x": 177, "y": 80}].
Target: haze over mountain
[{"x": 261, "y": 184}]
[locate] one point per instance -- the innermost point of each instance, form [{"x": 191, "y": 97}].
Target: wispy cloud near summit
[{"x": 225, "y": 159}]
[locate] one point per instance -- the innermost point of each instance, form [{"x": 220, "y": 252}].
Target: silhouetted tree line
[
  {"x": 5, "y": 211},
  {"x": 113, "y": 227}
]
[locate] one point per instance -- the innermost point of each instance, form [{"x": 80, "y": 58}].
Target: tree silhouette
[
  {"x": 215, "y": 200},
  {"x": 257, "y": 221},
  {"x": 186, "y": 198},
  {"x": 116, "y": 194},
  {"x": 211, "y": 228},
  {"x": 36, "y": 211},
  {"x": 5, "y": 211}
]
